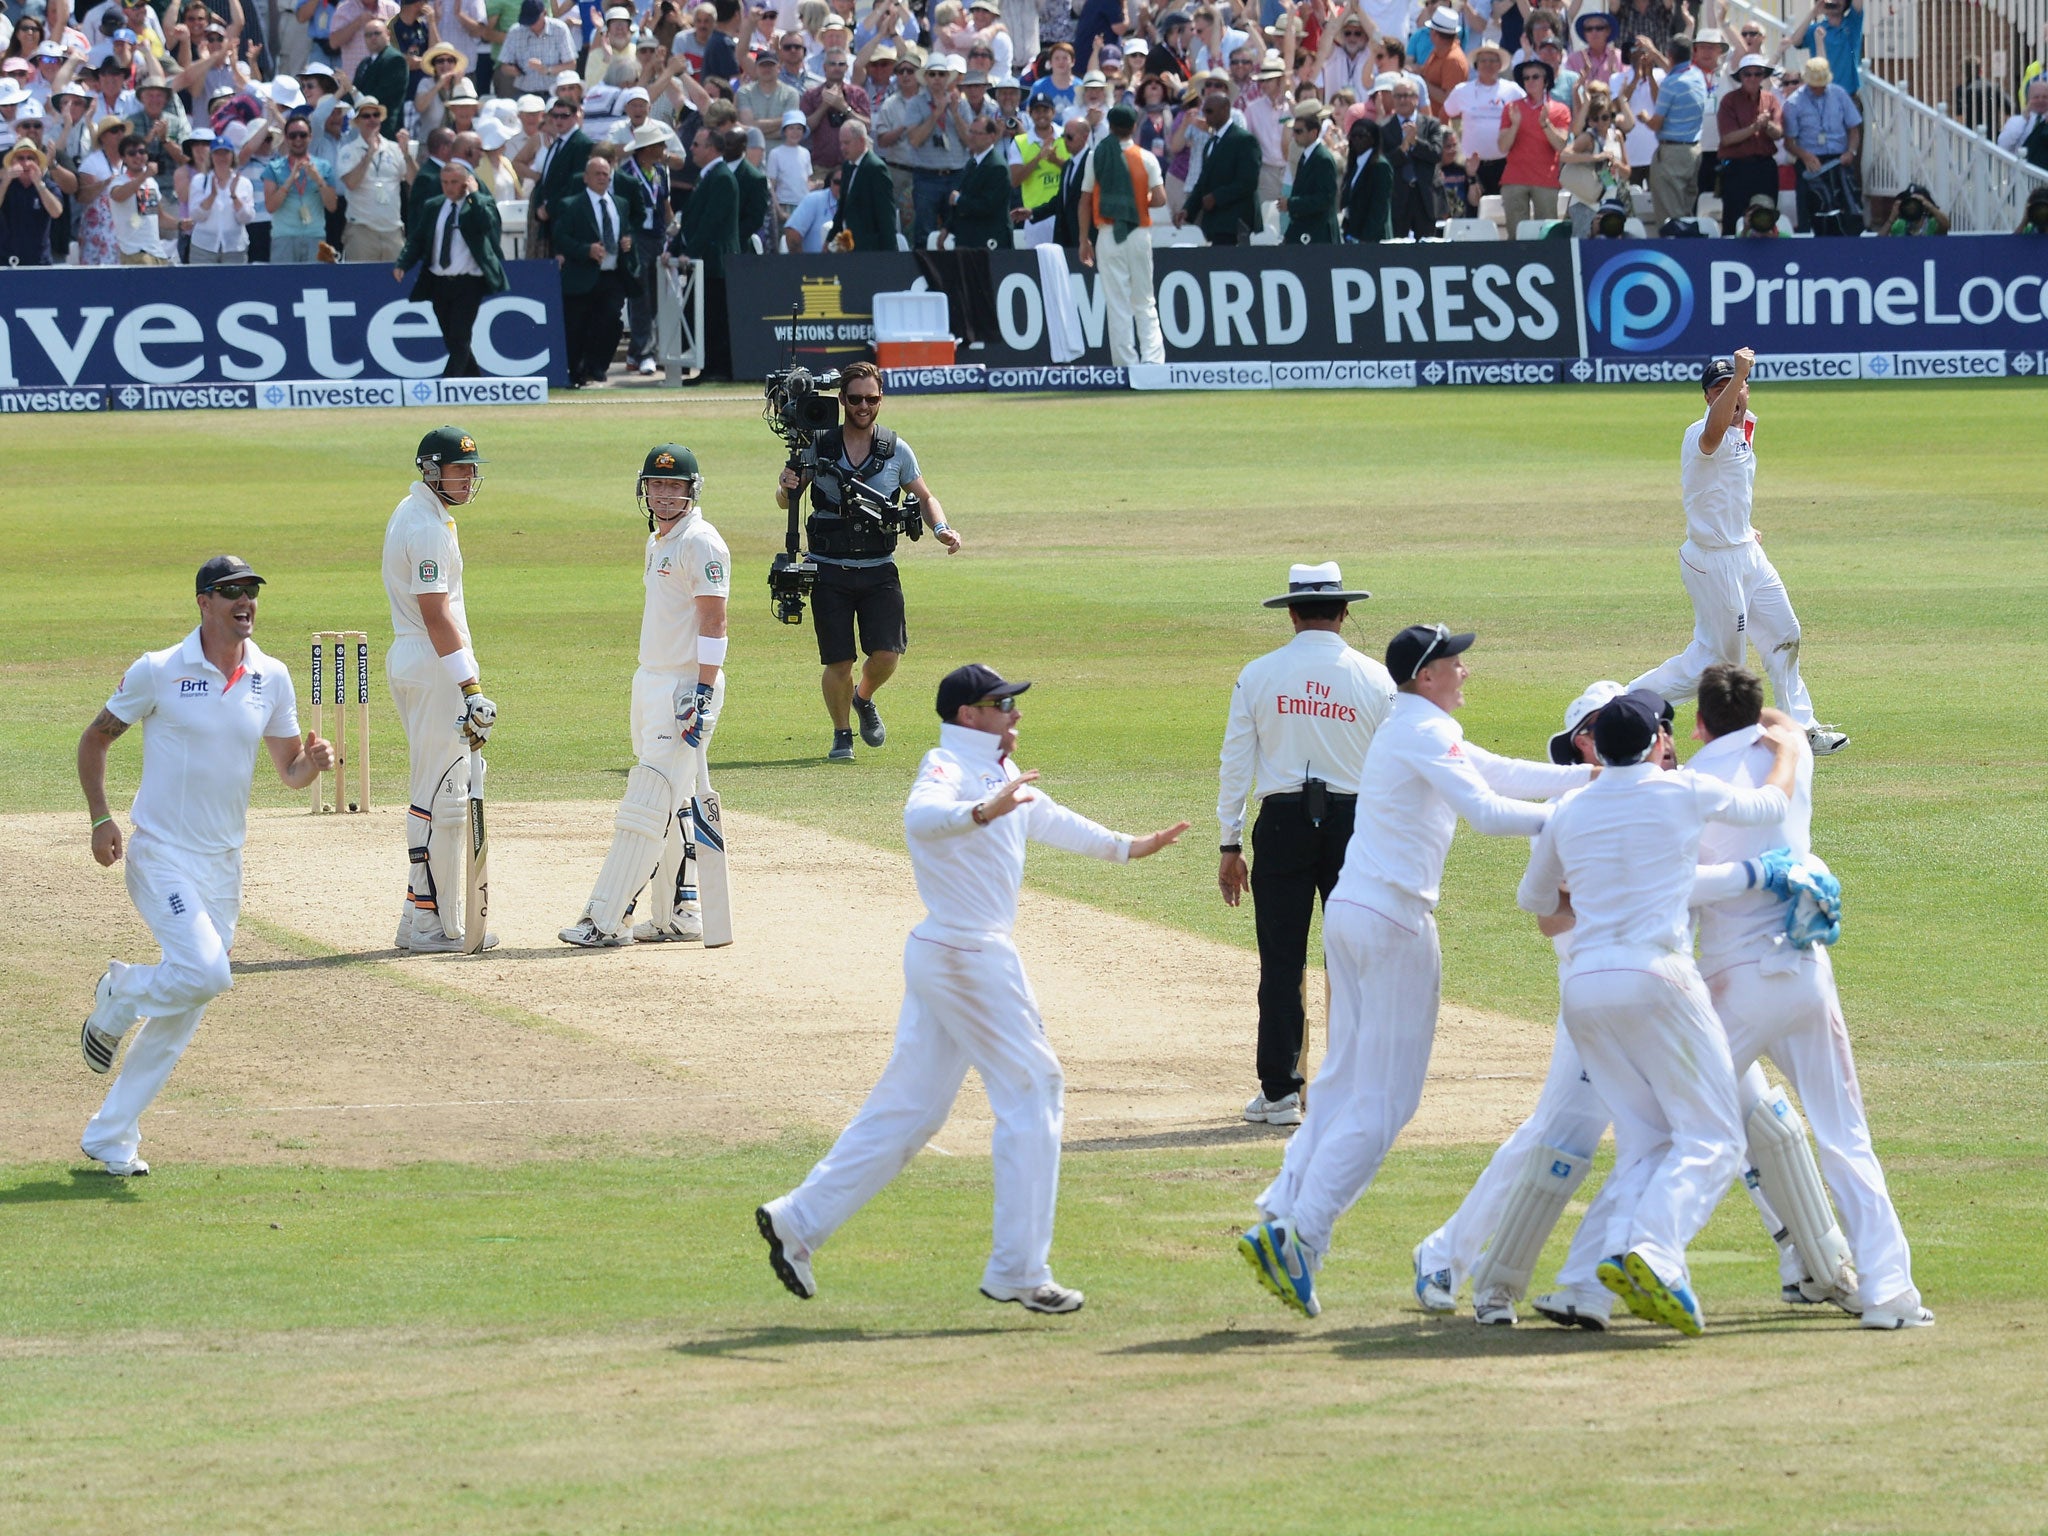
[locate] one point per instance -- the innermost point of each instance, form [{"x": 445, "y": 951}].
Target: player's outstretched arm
[
  {"x": 1729, "y": 405},
  {"x": 1144, "y": 847}
]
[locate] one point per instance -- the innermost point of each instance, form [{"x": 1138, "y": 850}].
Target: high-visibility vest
[{"x": 1042, "y": 184}]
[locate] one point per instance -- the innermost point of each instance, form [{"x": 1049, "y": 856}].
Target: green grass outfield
[{"x": 381, "y": 1362}]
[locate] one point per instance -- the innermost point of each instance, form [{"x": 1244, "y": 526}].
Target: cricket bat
[
  {"x": 476, "y": 872},
  {"x": 714, "y": 890}
]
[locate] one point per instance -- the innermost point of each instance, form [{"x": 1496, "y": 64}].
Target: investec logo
[
  {"x": 1641, "y": 302},
  {"x": 324, "y": 394},
  {"x": 184, "y": 397}
]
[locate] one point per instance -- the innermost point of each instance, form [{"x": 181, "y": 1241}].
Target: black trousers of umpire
[
  {"x": 1292, "y": 862},
  {"x": 455, "y": 301}
]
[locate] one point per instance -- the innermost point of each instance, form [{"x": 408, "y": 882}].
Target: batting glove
[
  {"x": 479, "y": 714},
  {"x": 698, "y": 726}
]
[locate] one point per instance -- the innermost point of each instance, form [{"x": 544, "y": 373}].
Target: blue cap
[
  {"x": 970, "y": 685},
  {"x": 1626, "y": 727}
]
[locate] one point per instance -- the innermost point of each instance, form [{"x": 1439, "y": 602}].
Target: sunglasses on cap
[
  {"x": 1442, "y": 633},
  {"x": 235, "y": 591}
]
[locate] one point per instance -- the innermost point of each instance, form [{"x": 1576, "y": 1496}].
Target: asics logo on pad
[{"x": 1641, "y": 301}]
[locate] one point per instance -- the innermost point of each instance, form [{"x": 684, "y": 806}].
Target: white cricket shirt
[
  {"x": 688, "y": 562},
  {"x": 1305, "y": 711},
  {"x": 1627, "y": 846},
  {"x": 1753, "y": 922},
  {"x": 1719, "y": 487},
  {"x": 1420, "y": 776},
  {"x": 421, "y": 555},
  {"x": 200, "y": 735},
  {"x": 968, "y": 875}
]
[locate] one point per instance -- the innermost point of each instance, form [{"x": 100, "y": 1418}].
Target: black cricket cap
[
  {"x": 224, "y": 568},
  {"x": 1418, "y": 645},
  {"x": 1626, "y": 727},
  {"x": 1716, "y": 370},
  {"x": 970, "y": 685},
  {"x": 531, "y": 12}
]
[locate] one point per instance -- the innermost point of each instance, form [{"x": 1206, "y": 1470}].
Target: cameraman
[{"x": 856, "y": 553}]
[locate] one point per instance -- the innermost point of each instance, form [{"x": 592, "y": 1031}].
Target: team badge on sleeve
[
  {"x": 714, "y": 572},
  {"x": 430, "y": 570}
]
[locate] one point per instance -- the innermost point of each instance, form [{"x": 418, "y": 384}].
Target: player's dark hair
[
  {"x": 1730, "y": 698},
  {"x": 1321, "y": 611}
]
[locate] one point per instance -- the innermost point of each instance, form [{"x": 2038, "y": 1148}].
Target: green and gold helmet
[
  {"x": 444, "y": 446},
  {"x": 669, "y": 461}
]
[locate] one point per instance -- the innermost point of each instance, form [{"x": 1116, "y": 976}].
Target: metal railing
[{"x": 1940, "y": 78}]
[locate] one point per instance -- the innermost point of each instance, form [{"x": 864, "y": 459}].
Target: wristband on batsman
[
  {"x": 710, "y": 651},
  {"x": 461, "y": 665}
]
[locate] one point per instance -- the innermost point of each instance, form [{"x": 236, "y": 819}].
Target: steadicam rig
[{"x": 798, "y": 407}]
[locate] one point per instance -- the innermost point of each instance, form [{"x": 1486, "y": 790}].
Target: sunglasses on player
[
  {"x": 1007, "y": 705},
  {"x": 235, "y": 591},
  {"x": 861, "y": 399}
]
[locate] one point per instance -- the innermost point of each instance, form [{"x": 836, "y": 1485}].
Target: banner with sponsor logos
[
  {"x": 228, "y": 336},
  {"x": 1325, "y": 308},
  {"x": 1959, "y": 307}
]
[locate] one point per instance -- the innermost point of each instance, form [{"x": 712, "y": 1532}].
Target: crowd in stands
[{"x": 143, "y": 135}]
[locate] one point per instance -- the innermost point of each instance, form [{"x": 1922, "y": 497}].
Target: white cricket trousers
[
  {"x": 430, "y": 708},
  {"x": 1568, "y": 1115},
  {"x": 1647, "y": 1033},
  {"x": 1124, "y": 268},
  {"x": 190, "y": 901},
  {"x": 1794, "y": 1016},
  {"x": 1736, "y": 594},
  {"x": 1386, "y": 975},
  {"x": 966, "y": 1003}
]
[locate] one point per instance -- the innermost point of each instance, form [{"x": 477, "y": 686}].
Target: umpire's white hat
[{"x": 1315, "y": 584}]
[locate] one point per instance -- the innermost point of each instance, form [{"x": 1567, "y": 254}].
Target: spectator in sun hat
[
  {"x": 1752, "y": 124},
  {"x": 1533, "y": 135},
  {"x": 1597, "y": 57},
  {"x": 1445, "y": 66},
  {"x": 31, "y": 204}
]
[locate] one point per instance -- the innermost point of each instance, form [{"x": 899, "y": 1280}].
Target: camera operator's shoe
[
  {"x": 872, "y": 731},
  {"x": 842, "y": 747}
]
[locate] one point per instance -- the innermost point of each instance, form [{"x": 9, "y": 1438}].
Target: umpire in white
[{"x": 1301, "y": 718}]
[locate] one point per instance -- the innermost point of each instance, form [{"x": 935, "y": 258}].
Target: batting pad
[
  {"x": 1791, "y": 1181},
  {"x": 636, "y": 845},
  {"x": 1541, "y": 1191}
]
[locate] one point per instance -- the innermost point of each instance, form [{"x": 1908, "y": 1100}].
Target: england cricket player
[
  {"x": 966, "y": 1003},
  {"x": 1775, "y": 997},
  {"x": 678, "y": 692},
  {"x": 1627, "y": 848},
  {"x": 435, "y": 684},
  {"x": 1736, "y": 592},
  {"x": 204, "y": 705},
  {"x": 1497, "y": 1233},
  {"x": 1380, "y": 943}
]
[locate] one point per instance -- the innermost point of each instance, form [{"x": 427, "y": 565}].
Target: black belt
[{"x": 1295, "y": 797}]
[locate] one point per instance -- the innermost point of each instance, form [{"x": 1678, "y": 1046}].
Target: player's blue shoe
[
  {"x": 1613, "y": 1274},
  {"x": 1281, "y": 1266},
  {"x": 1433, "y": 1287},
  {"x": 1674, "y": 1306}
]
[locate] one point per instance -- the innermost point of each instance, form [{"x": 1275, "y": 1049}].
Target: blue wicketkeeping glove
[
  {"x": 1773, "y": 868},
  {"x": 1816, "y": 895}
]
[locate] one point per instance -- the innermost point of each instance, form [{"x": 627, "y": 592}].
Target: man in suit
[
  {"x": 1312, "y": 204},
  {"x": 1414, "y": 142},
  {"x": 709, "y": 231},
  {"x": 426, "y": 184},
  {"x": 594, "y": 247},
  {"x": 752, "y": 182},
  {"x": 643, "y": 173},
  {"x": 867, "y": 198},
  {"x": 557, "y": 170},
  {"x": 1224, "y": 201},
  {"x": 1068, "y": 206},
  {"x": 980, "y": 213},
  {"x": 1368, "y": 188},
  {"x": 454, "y": 236}
]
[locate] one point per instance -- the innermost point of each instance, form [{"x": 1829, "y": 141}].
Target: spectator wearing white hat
[
  {"x": 1446, "y": 66},
  {"x": 615, "y": 44},
  {"x": 495, "y": 172},
  {"x": 789, "y": 166},
  {"x": 1344, "y": 60},
  {"x": 29, "y": 207},
  {"x": 644, "y": 170},
  {"x": 1267, "y": 114},
  {"x": 936, "y": 131},
  {"x": 1824, "y": 136},
  {"x": 633, "y": 106},
  {"x": 1752, "y": 123},
  {"x": 1476, "y": 107}
]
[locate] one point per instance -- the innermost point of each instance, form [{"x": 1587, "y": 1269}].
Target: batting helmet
[
  {"x": 444, "y": 446},
  {"x": 669, "y": 461}
]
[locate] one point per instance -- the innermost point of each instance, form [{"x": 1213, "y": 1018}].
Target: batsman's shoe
[
  {"x": 119, "y": 1167},
  {"x": 585, "y": 934},
  {"x": 1434, "y": 1289},
  {"x": 442, "y": 944},
  {"x": 1825, "y": 739},
  {"x": 872, "y": 731},
  {"x": 1281, "y": 1266},
  {"x": 1495, "y": 1309},
  {"x": 1050, "y": 1297},
  {"x": 793, "y": 1272},
  {"x": 1569, "y": 1309},
  {"x": 1613, "y": 1276},
  {"x": 681, "y": 928},
  {"x": 842, "y": 747},
  {"x": 99, "y": 1037},
  {"x": 1265, "y": 1111},
  {"x": 1672, "y": 1305},
  {"x": 1900, "y": 1312}
]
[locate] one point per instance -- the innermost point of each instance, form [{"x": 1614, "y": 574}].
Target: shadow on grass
[
  {"x": 77, "y": 1184},
  {"x": 1453, "y": 1339},
  {"x": 312, "y": 962},
  {"x": 1230, "y": 1134},
  {"x": 735, "y": 1344},
  {"x": 809, "y": 760}
]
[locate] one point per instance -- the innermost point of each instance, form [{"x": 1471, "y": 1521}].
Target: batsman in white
[
  {"x": 1497, "y": 1233},
  {"x": 1736, "y": 592},
  {"x": 678, "y": 692},
  {"x": 435, "y": 684},
  {"x": 203, "y": 705},
  {"x": 1777, "y": 997},
  {"x": 1379, "y": 939},
  {"x": 1627, "y": 848},
  {"x": 966, "y": 1003}
]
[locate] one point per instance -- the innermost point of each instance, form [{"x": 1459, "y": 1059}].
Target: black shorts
[{"x": 874, "y": 596}]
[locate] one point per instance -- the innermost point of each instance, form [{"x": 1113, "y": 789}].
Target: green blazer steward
[
  {"x": 867, "y": 204},
  {"x": 565, "y": 170},
  {"x": 1312, "y": 204},
  {"x": 710, "y": 224},
  {"x": 980, "y": 215},
  {"x": 1230, "y": 173},
  {"x": 574, "y": 220},
  {"x": 755, "y": 196},
  {"x": 481, "y": 228}
]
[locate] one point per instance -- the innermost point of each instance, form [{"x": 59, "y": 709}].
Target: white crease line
[{"x": 307, "y": 1109}]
